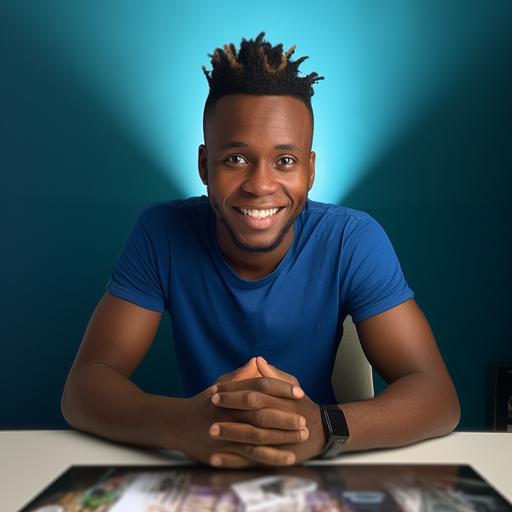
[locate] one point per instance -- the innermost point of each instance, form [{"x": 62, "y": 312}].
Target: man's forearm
[
  {"x": 415, "y": 407},
  {"x": 100, "y": 400}
]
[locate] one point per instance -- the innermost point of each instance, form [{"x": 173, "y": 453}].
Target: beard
[{"x": 259, "y": 248}]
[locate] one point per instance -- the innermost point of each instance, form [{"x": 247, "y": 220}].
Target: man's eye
[
  {"x": 286, "y": 161},
  {"x": 236, "y": 159}
]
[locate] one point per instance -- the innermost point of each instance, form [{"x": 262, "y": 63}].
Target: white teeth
[{"x": 259, "y": 214}]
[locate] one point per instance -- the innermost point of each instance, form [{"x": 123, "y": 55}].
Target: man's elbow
[
  {"x": 451, "y": 421},
  {"x": 65, "y": 405},
  {"x": 456, "y": 412},
  {"x": 68, "y": 404},
  {"x": 452, "y": 412}
]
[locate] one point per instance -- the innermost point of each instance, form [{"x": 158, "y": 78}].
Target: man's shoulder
[
  {"x": 335, "y": 215},
  {"x": 175, "y": 209},
  {"x": 175, "y": 206}
]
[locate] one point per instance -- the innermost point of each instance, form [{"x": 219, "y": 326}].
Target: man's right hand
[
  {"x": 250, "y": 370},
  {"x": 199, "y": 413}
]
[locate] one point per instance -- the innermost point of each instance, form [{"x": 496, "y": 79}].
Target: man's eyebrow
[
  {"x": 234, "y": 144},
  {"x": 238, "y": 144},
  {"x": 287, "y": 146}
]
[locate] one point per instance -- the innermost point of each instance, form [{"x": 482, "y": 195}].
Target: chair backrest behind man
[{"x": 352, "y": 378}]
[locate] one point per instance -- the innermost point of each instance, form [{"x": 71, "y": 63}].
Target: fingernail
[
  {"x": 297, "y": 392},
  {"x": 213, "y": 389},
  {"x": 215, "y": 398},
  {"x": 216, "y": 460},
  {"x": 304, "y": 434},
  {"x": 290, "y": 459},
  {"x": 302, "y": 421},
  {"x": 215, "y": 430},
  {"x": 263, "y": 359}
]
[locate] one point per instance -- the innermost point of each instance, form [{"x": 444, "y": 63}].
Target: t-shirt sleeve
[
  {"x": 375, "y": 281},
  {"x": 137, "y": 275}
]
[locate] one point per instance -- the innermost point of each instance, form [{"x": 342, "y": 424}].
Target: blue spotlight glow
[{"x": 385, "y": 63}]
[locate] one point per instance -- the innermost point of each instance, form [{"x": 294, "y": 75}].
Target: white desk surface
[{"x": 29, "y": 460}]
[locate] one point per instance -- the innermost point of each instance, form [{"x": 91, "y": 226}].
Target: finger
[
  {"x": 248, "y": 371},
  {"x": 249, "y": 434},
  {"x": 270, "y": 418},
  {"x": 248, "y": 401},
  {"x": 250, "y": 455},
  {"x": 229, "y": 460},
  {"x": 267, "y": 455},
  {"x": 244, "y": 371},
  {"x": 268, "y": 370},
  {"x": 267, "y": 385}
]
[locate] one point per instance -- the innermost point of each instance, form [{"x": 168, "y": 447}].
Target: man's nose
[{"x": 260, "y": 180}]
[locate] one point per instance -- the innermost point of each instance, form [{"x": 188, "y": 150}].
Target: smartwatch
[{"x": 335, "y": 429}]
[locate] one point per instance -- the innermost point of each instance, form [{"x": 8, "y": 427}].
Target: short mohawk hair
[{"x": 258, "y": 68}]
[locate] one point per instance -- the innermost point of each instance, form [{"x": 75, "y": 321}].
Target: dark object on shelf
[{"x": 502, "y": 399}]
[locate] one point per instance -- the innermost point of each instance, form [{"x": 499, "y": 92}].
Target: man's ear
[
  {"x": 202, "y": 163},
  {"x": 312, "y": 158}
]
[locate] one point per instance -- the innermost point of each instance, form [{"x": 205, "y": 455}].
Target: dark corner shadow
[
  {"x": 442, "y": 194},
  {"x": 73, "y": 182}
]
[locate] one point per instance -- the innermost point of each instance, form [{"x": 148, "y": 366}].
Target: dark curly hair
[{"x": 258, "y": 68}]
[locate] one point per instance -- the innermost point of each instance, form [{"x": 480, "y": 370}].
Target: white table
[{"x": 29, "y": 460}]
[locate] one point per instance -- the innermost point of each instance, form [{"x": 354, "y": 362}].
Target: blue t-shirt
[{"x": 340, "y": 263}]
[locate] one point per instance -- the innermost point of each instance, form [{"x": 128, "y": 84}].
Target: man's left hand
[{"x": 262, "y": 397}]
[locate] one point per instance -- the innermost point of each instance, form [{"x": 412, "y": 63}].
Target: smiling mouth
[{"x": 258, "y": 214}]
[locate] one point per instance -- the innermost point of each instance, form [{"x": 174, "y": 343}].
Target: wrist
[
  {"x": 170, "y": 422},
  {"x": 319, "y": 437},
  {"x": 336, "y": 430}
]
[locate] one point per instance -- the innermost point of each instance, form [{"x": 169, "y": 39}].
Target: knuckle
[
  {"x": 265, "y": 437},
  {"x": 246, "y": 400},
  {"x": 251, "y": 451},
  {"x": 260, "y": 384},
  {"x": 259, "y": 437},
  {"x": 252, "y": 399},
  {"x": 288, "y": 459},
  {"x": 259, "y": 417},
  {"x": 222, "y": 378}
]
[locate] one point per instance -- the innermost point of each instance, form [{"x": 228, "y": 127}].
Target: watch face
[{"x": 337, "y": 423}]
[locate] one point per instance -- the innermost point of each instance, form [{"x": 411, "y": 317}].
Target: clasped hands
[{"x": 256, "y": 415}]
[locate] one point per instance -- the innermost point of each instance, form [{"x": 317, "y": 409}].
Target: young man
[{"x": 257, "y": 269}]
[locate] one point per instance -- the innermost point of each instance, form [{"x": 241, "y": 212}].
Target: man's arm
[
  {"x": 420, "y": 402},
  {"x": 99, "y": 397}
]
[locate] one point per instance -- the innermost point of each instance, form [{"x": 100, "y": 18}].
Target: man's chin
[
  {"x": 257, "y": 247},
  {"x": 261, "y": 247}
]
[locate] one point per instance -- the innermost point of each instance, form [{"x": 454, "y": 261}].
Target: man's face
[{"x": 258, "y": 167}]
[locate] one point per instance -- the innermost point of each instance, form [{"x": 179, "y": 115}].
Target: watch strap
[{"x": 336, "y": 432}]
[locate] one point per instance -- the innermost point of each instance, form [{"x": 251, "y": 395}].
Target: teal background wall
[{"x": 101, "y": 105}]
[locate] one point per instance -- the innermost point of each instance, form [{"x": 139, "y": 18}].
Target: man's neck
[{"x": 251, "y": 265}]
